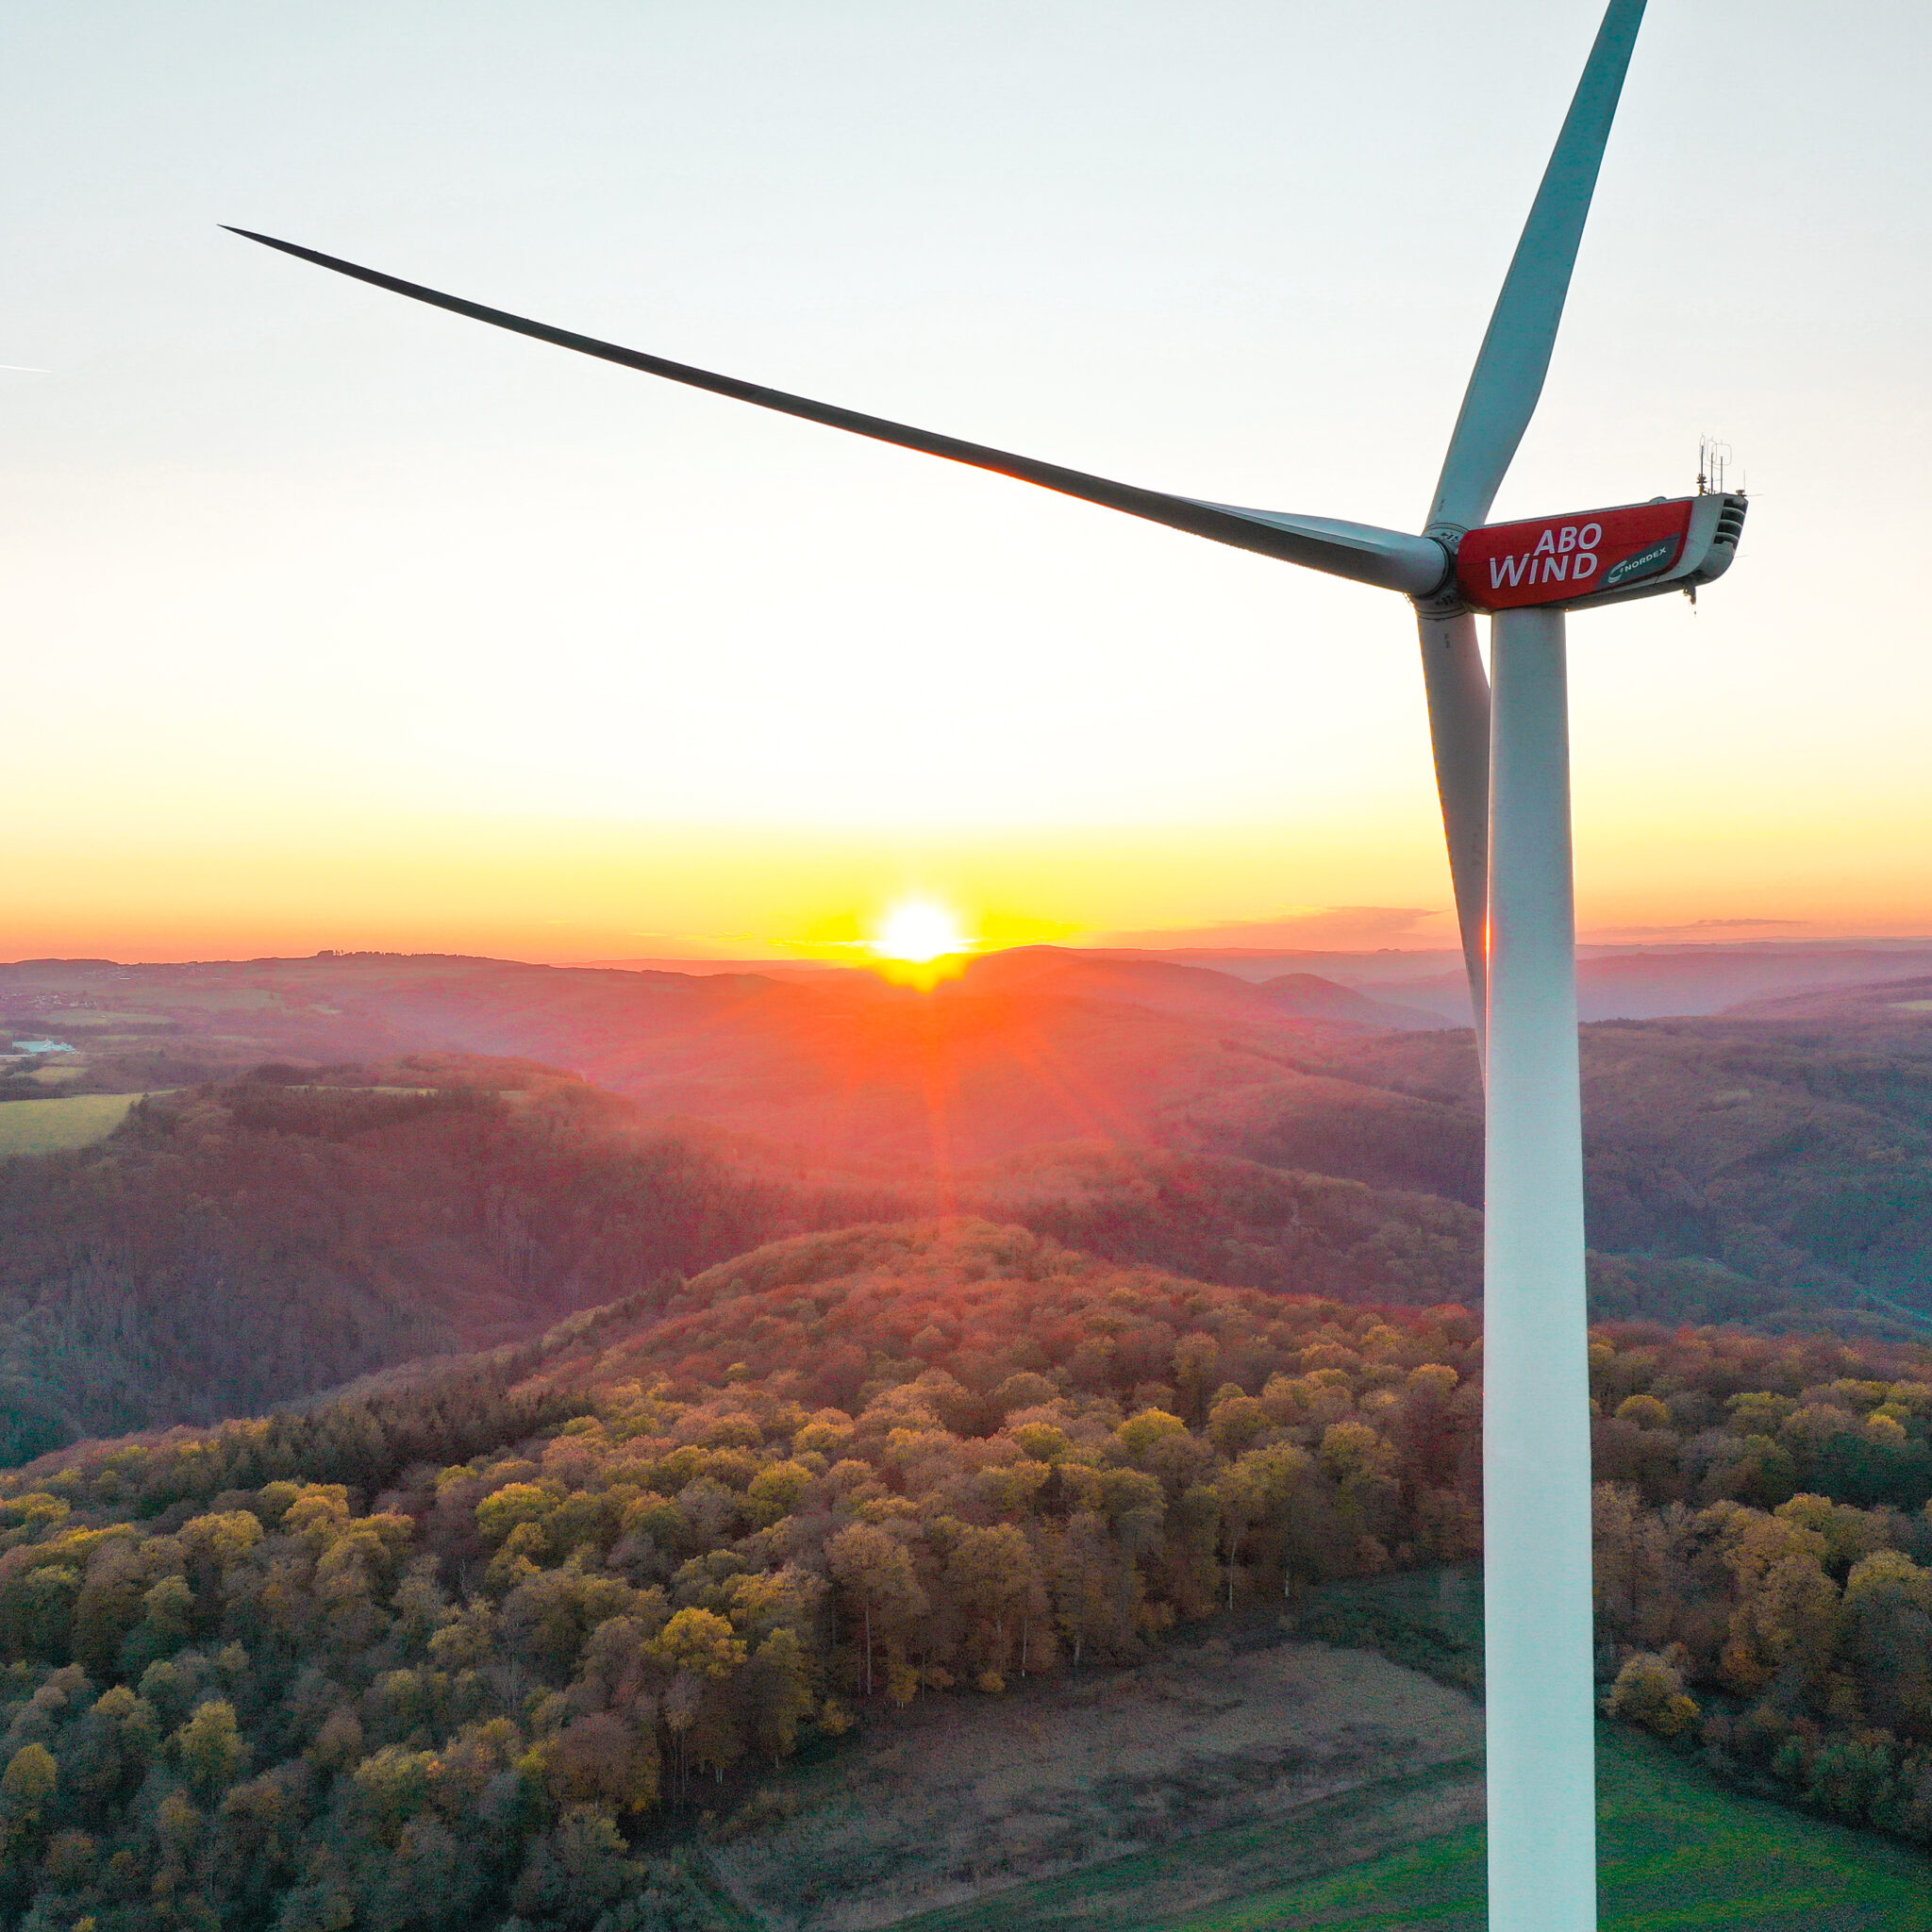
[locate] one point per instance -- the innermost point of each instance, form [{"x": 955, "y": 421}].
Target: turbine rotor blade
[
  {"x": 1458, "y": 694},
  {"x": 1515, "y": 355},
  {"x": 1391, "y": 559},
  {"x": 1365, "y": 552}
]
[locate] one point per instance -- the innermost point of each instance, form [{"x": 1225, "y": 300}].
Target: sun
[{"x": 919, "y": 931}]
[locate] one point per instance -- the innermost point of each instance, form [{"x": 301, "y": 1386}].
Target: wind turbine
[{"x": 1501, "y": 769}]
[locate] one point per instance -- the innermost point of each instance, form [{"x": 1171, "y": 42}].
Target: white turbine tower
[{"x": 1502, "y": 769}]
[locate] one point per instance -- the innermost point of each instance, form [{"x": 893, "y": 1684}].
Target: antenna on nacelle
[{"x": 1713, "y": 460}]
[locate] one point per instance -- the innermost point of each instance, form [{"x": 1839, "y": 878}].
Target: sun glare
[{"x": 919, "y": 931}]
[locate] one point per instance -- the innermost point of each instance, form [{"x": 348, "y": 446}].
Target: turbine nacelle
[
  {"x": 1576, "y": 561},
  {"x": 1600, "y": 555}
]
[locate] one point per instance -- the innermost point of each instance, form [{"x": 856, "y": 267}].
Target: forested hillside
[
  {"x": 451, "y": 1654},
  {"x": 1774, "y": 1168},
  {"x": 1788, "y": 1161},
  {"x": 239, "y": 1246},
  {"x": 1777, "y": 1168},
  {"x": 232, "y": 1247},
  {"x": 1018, "y": 1053}
]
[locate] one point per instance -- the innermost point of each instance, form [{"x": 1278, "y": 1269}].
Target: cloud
[{"x": 1311, "y": 928}]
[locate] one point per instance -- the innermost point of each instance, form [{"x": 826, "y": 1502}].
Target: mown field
[
  {"x": 1283, "y": 1759},
  {"x": 1678, "y": 1851},
  {"x": 49, "y": 1126}
]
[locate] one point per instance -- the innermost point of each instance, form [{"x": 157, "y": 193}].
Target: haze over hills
[
  {"x": 1892, "y": 1010},
  {"x": 294, "y": 993},
  {"x": 1424, "y": 986},
  {"x": 240, "y": 1245},
  {"x": 1692, "y": 1122},
  {"x": 845, "y": 1064},
  {"x": 232, "y": 1247},
  {"x": 253, "y": 1237},
  {"x": 1614, "y": 982}
]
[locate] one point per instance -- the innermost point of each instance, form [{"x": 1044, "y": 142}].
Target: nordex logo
[
  {"x": 1565, "y": 554},
  {"x": 1641, "y": 564}
]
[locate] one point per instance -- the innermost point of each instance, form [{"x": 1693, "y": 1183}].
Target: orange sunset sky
[{"x": 335, "y": 623}]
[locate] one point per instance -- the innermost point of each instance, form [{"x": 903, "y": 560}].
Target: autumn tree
[{"x": 882, "y": 1591}]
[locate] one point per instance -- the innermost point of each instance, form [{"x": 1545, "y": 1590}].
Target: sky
[{"x": 334, "y": 622}]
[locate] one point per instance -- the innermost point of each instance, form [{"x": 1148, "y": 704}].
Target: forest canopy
[{"x": 477, "y": 1653}]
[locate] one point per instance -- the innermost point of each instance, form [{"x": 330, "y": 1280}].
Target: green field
[
  {"x": 1678, "y": 1851},
  {"x": 44, "y": 1127}
]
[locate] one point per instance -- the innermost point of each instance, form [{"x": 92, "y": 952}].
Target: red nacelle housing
[{"x": 1600, "y": 555}]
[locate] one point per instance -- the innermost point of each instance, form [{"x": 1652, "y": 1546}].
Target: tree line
[{"x": 1764, "y": 1569}]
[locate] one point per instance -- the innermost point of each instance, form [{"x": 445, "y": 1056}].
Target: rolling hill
[
  {"x": 1774, "y": 1167},
  {"x": 989, "y": 1543},
  {"x": 841, "y": 1064},
  {"x": 235, "y": 1246},
  {"x": 251, "y": 1242}
]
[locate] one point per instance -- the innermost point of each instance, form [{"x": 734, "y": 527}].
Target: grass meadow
[
  {"x": 1678, "y": 1851},
  {"x": 46, "y": 1126}
]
